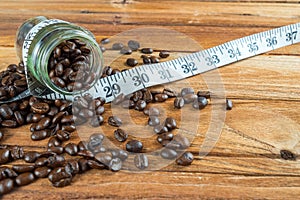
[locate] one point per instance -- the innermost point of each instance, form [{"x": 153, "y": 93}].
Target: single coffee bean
[
  {"x": 86, "y": 154},
  {"x": 83, "y": 165},
  {"x": 41, "y": 161},
  {"x": 56, "y": 149},
  {"x": 178, "y": 102},
  {"x": 120, "y": 134},
  {"x": 228, "y": 104},
  {"x": 53, "y": 141},
  {"x": 6, "y": 172},
  {"x": 71, "y": 149},
  {"x": 43, "y": 123},
  {"x": 119, "y": 153},
  {"x": 42, "y": 172},
  {"x": 205, "y": 94},
  {"x": 59, "y": 177},
  {"x": 146, "y": 60},
  {"x": 160, "y": 97},
  {"x": 104, "y": 157},
  {"x": 186, "y": 91},
  {"x": 6, "y": 186},
  {"x": 55, "y": 161},
  {"x": 40, "y": 135},
  {"x": 56, "y": 119},
  {"x": 185, "y": 159},
  {"x": 117, "y": 46},
  {"x": 19, "y": 118},
  {"x": 164, "y": 54},
  {"x": 170, "y": 123},
  {"x": 9, "y": 123},
  {"x": 170, "y": 92},
  {"x": 152, "y": 111},
  {"x": 181, "y": 140},
  {"x": 140, "y": 105},
  {"x": 138, "y": 95},
  {"x": 6, "y": 112},
  {"x": 97, "y": 121},
  {"x": 40, "y": 108},
  {"x": 95, "y": 165},
  {"x": 133, "y": 45},
  {"x": 141, "y": 161},
  {"x": 31, "y": 156},
  {"x": 153, "y": 121},
  {"x": 4, "y": 156},
  {"x": 126, "y": 50},
  {"x": 115, "y": 164},
  {"x": 99, "y": 110},
  {"x": 63, "y": 135},
  {"x": 104, "y": 41},
  {"x": 69, "y": 128},
  {"x": 16, "y": 152},
  {"x": 159, "y": 129},
  {"x": 165, "y": 136},
  {"x": 67, "y": 119},
  {"x": 154, "y": 59},
  {"x": 147, "y": 96},
  {"x": 287, "y": 155},
  {"x": 200, "y": 103},
  {"x": 23, "y": 168},
  {"x": 95, "y": 140},
  {"x": 189, "y": 98},
  {"x": 72, "y": 167},
  {"x": 82, "y": 145},
  {"x": 24, "y": 179},
  {"x": 114, "y": 121},
  {"x": 63, "y": 182},
  {"x": 168, "y": 153},
  {"x": 131, "y": 62},
  {"x": 134, "y": 146},
  {"x": 147, "y": 50}
]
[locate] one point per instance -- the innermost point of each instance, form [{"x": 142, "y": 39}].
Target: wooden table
[{"x": 245, "y": 163}]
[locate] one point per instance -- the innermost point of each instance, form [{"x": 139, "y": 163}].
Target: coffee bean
[
  {"x": 133, "y": 45},
  {"x": 56, "y": 149},
  {"x": 6, "y": 172},
  {"x": 105, "y": 41},
  {"x": 72, "y": 167},
  {"x": 16, "y": 152},
  {"x": 23, "y": 168},
  {"x": 154, "y": 59},
  {"x": 200, "y": 103},
  {"x": 131, "y": 62},
  {"x": 287, "y": 155},
  {"x": 24, "y": 179},
  {"x": 140, "y": 105},
  {"x": 185, "y": 159},
  {"x": 228, "y": 104},
  {"x": 168, "y": 153},
  {"x": 147, "y": 50},
  {"x": 159, "y": 129},
  {"x": 119, "y": 153},
  {"x": 96, "y": 121},
  {"x": 117, "y": 46},
  {"x": 6, "y": 112},
  {"x": 4, "y": 156},
  {"x": 126, "y": 50},
  {"x": 83, "y": 165},
  {"x": 146, "y": 60},
  {"x": 9, "y": 123},
  {"x": 6, "y": 186},
  {"x": 160, "y": 97},
  {"x": 86, "y": 153},
  {"x": 114, "y": 121},
  {"x": 95, "y": 140},
  {"x": 53, "y": 141},
  {"x": 129, "y": 104},
  {"x": 40, "y": 135},
  {"x": 165, "y": 136},
  {"x": 42, "y": 172},
  {"x": 120, "y": 134},
  {"x": 186, "y": 91},
  {"x": 152, "y": 111},
  {"x": 19, "y": 118},
  {"x": 55, "y": 161},
  {"x": 67, "y": 119},
  {"x": 164, "y": 54},
  {"x": 181, "y": 140},
  {"x": 147, "y": 96},
  {"x": 69, "y": 128},
  {"x": 189, "y": 98},
  {"x": 134, "y": 146},
  {"x": 205, "y": 94},
  {"x": 63, "y": 135},
  {"x": 100, "y": 110},
  {"x": 59, "y": 177},
  {"x": 43, "y": 123},
  {"x": 82, "y": 145},
  {"x": 141, "y": 161},
  {"x": 95, "y": 165},
  {"x": 153, "y": 121},
  {"x": 170, "y": 123},
  {"x": 178, "y": 102},
  {"x": 40, "y": 108},
  {"x": 71, "y": 149},
  {"x": 115, "y": 164},
  {"x": 41, "y": 161},
  {"x": 31, "y": 156},
  {"x": 170, "y": 92}
]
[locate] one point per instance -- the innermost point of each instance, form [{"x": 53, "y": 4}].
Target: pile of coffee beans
[
  {"x": 56, "y": 121},
  {"x": 69, "y": 65}
]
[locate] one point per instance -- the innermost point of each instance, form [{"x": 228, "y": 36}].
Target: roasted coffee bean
[
  {"x": 104, "y": 157},
  {"x": 72, "y": 167},
  {"x": 205, "y": 94},
  {"x": 67, "y": 119},
  {"x": 23, "y": 168},
  {"x": 178, "y": 102},
  {"x": 40, "y": 135},
  {"x": 114, "y": 121},
  {"x": 43, "y": 123},
  {"x": 164, "y": 54},
  {"x": 82, "y": 145},
  {"x": 53, "y": 141},
  {"x": 86, "y": 153},
  {"x": 131, "y": 62},
  {"x": 24, "y": 179},
  {"x": 6, "y": 112},
  {"x": 200, "y": 103},
  {"x": 154, "y": 59},
  {"x": 141, "y": 161},
  {"x": 170, "y": 92},
  {"x": 153, "y": 121},
  {"x": 63, "y": 135},
  {"x": 42, "y": 172},
  {"x": 133, "y": 45},
  {"x": 59, "y": 177},
  {"x": 160, "y": 97},
  {"x": 168, "y": 153},
  {"x": 140, "y": 105},
  {"x": 31, "y": 156},
  {"x": 23, "y": 105},
  {"x": 99, "y": 110},
  {"x": 16, "y": 152},
  {"x": 147, "y": 96},
  {"x": 40, "y": 108},
  {"x": 41, "y": 161},
  {"x": 134, "y": 146},
  {"x": 170, "y": 123},
  {"x": 71, "y": 149},
  {"x": 152, "y": 111},
  {"x": 185, "y": 159},
  {"x": 228, "y": 104},
  {"x": 4, "y": 156},
  {"x": 287, "y": 155},
  {"x": 186, "y": 91},
  {"x": 147, "y": 50},
  {"x": 119, "y": 153},
  {"x": 6, "y": 172},
  {"x": 105, "y": 41},
  {"x": 69, "y": 128},
  {"x": 115, "y": 164},
  {"x": 181, "y": 140},
  {"x": 117, "y": 46},
  {"x": 146, "y": 60},
  {"x": 95, "y": 140},
  {"x": 120, "y": 134},
  {"x": 126, "y": 50},
  {"x": 189, "y": 98},
  {"x": 19, "y": 118},
  {"x": 9, "y": 123},
  {"x": 95, "y": 165},
  {"x": 56, "y": 149},
  {"x": 83, "y": 165},
  {"x": 6, "y": 186},
  {"x": 165, "y": 136},
  {"x": 96, "y": 121},
  {"x": 159, "y": 129},
  {"x": 55, "y": 161}
]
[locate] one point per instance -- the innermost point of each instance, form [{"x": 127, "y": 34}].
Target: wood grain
[{"x": 245, "y": 163}]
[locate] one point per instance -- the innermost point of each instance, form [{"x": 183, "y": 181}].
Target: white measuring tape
[{"x": 145, "y": 76}]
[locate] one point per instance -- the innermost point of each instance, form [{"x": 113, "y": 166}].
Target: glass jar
[{"x": 38, "y": 37}]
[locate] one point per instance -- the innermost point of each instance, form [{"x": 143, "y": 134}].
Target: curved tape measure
[{"x": 144, "y": 76}]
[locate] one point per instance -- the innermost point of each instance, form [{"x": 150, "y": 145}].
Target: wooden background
[{"x": 245, "y": 163}]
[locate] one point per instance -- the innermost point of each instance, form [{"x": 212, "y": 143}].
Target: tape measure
[{"x": 145, "y": 76}]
